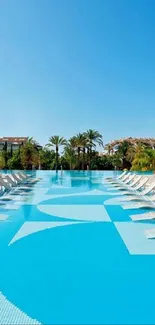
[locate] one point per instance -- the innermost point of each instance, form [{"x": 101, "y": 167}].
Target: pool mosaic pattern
[{"x": 70, "y": 254}]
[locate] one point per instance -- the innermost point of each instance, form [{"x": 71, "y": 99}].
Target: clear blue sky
[{"x": 70, "y": 65}]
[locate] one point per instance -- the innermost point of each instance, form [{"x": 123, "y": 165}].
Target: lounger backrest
[
  {"x": 21, "y": 176},
  {"x": 129, "y": 179},
  {"x": 142, "y": 182},
  {"x": 21, "y": 179},
  {"x": 149, "y": 189},
  {"x": 151, "y": 180},
  {"x": 16, "y": 178},
  {"x": 120, "y": 176},
  {"x": 135, "y": 180},
  {"x": 125, "y": 176},
  {"x": 5, "y": 184},
  {"x": 10, "y": 180}
]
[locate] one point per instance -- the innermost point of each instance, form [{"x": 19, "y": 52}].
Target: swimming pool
[{"x": 71, "y": 255}]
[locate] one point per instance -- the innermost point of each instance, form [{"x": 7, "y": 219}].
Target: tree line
[{"x": 79, "y": 153}]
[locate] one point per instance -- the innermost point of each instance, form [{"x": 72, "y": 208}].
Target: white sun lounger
[
  {"x": 138, "y": 197},
  {"x": 147, "y": 190},
  {"x": 5, "y": 184},
  {"x": 10, "y": 180},
  {"x": 141, "y": 182},
  {"x": 126, "y": 176},
  {"x": 124, "y": 187},
  {"x": 150, "y": 233},
  {"x": 17, "y": 178},
  {"x": 116, "y": 180},
  {"x": 7, "y": 189},
  {"x": 20, "y": 179},
  {"x": 119, "y": 177},
  {"x": 139, "y": 205},
  {"x": 127, "y": 181},
  {"x": 149, "y": 203},
  {"x": 28, "y": 180},
  {"x": 146, "y": 203},
  {"x": 16, "y": 182},
  {"x": 23, "y": 175},
  {"x": 133, "y": 191},
  {"x": 134, "y": 178},
  {"x": 143, "y": 216}
]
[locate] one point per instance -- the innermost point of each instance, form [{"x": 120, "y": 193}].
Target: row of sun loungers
[
  {"x": 16, "y": 182},
  {"x": 139, "y": 188},
  {"x": 139, "y": 191}
]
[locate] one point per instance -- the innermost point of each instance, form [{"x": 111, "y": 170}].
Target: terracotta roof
[{"x": 14, "y": 139}]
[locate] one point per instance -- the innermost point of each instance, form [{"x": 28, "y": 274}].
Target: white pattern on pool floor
[
  {"x": 10, "y": 314},
  {"x": 77, "y": 212},
  {"x": 31, "y": 227},
  {"x": 133, "y": 235}
]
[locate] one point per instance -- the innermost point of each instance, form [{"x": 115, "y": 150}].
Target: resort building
[
  {"x": 113, "y": 145},
  {"x": 13, "y": 143}
]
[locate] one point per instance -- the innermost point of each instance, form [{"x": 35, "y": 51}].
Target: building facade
[{"x": 12, "y": 143}]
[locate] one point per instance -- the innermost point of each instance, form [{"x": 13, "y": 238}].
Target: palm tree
[
  {"x": 93, "y": 137},
  {"x": 123, "y": 150},
  {"x": 72, "y": 143},
  {"x": 29, "y": 156},
  {"x": 2, "y": 160},
  {"x": 33, "y": 141},
  {"x": 69, "y": 155},
  {"x": 151, "y": 154},
  {"x": 80, "y": 143},
  {"x": 84, "y": 146},
  {"x": 143, "y": 158},
  {"x": 109, "y": 148},
  {"x": 56, "y": 141}
]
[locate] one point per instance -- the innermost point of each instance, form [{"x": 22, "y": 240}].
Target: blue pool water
[{"x": 70, "y": 254}]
